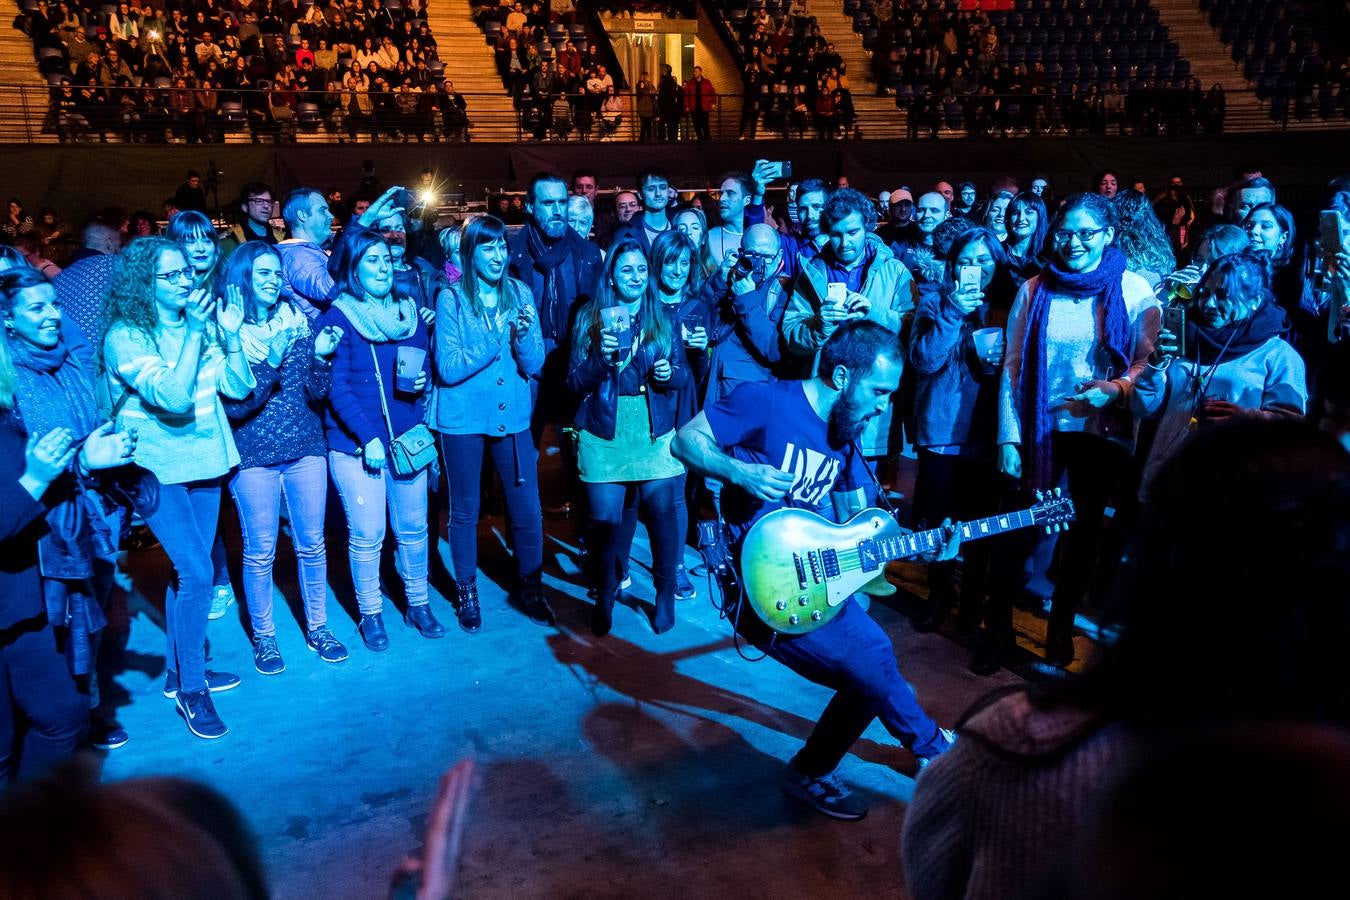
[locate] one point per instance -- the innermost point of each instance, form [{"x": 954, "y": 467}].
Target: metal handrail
[{"x": 26, "y": 115}]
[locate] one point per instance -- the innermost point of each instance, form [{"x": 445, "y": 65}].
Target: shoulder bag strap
[{"x": 379, "y": 385}]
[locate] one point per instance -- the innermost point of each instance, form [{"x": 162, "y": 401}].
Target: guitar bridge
[
  {"x": 813, "y": 558},
  {"x": 801, "y": 570}
]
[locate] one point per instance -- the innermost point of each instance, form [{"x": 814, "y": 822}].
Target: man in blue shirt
[{"x": 794, "y": 443}]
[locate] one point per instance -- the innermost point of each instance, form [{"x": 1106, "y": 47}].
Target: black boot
[
  {"x": 602, "y": 617},
  {"x": 419, "y": 616},
  {"x": 373, "y": 633},
  {"x": 466, "y": 609},
  {"x": 533, "y": 602},
  {"x": 992, "y": 653},
  {"x": 664, "y": 620},
  {"x": 1059, "y": 650}
]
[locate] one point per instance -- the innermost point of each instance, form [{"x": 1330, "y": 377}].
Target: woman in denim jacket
[{"x": 488, "y": 350}]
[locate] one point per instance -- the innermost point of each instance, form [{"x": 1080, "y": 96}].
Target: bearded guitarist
[{"x": 793, "y": 443}]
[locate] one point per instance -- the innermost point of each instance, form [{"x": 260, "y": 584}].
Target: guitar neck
[{"x": 915, "y": 543}]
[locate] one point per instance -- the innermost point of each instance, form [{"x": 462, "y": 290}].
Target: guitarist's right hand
[{"x": 765, "y": 482}]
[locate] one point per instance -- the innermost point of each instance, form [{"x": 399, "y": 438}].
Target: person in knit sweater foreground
[{"x": 993, "y": 815}]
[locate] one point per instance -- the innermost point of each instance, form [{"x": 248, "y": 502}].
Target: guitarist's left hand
[{"x": 951, "y": 544}]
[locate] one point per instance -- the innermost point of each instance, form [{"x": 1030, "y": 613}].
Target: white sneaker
[{"x": 220, "y": 601}]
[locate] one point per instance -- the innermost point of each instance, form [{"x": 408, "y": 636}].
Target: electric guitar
[{"x": 799, "y": 568}]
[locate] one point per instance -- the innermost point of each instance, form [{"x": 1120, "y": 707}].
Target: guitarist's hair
[{"x": 856, "y": 346}]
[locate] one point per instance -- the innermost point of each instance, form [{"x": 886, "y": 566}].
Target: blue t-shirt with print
[{"x": 774, "y": 424}]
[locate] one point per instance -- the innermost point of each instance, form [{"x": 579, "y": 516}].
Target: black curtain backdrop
[{"x": 79, "y": 179}]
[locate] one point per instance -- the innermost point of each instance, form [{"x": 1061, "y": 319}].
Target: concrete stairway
[
  {"x": 23, "y": 96},
  {"x": 1211, "y": 61},
  {"x": 469, "y": 64},
  {"x": 877, "y": 116}
]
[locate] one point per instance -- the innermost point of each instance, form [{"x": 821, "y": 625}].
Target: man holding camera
[{"x": 856, "y": 276}]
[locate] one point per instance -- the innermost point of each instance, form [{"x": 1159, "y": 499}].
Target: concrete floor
[{"x": 629, "y": 766}]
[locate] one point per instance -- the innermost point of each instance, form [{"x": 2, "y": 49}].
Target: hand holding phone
[{"x": 1172, "y": 338}]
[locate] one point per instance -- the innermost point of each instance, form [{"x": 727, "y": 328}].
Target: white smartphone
[{"x": 970, "y": 278}]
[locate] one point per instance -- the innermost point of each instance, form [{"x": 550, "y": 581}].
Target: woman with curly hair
[
  {"x": 170, "y": 351},
  {"x": 368, "y": 407},
  {"x": 626, "y": 423},
  {"x": 1140, "y": 235},
  {"x": 193, "y": 232}
]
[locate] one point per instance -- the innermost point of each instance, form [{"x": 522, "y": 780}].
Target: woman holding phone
[
  {"x": 489, "y": 351},
  {"x": 171, "y": 352},
  {"x": 282, "y": 453},
  {"x": 1079, "y": 335},
  {"x": 625, "y": 363},
  {"x": 957, "y": 354},
  {"x": 377, "y": 395}
]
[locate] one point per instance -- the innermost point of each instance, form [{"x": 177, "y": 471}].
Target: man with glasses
[
  {"x": 747, "y": 342},
  {"x": 258, "y": 206}
]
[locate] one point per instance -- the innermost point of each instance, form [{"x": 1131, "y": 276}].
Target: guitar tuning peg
[
  {"x": 1040, "y": 494},
  {"x": 1049, "y": 529},
  {"x": 1059, "y": 492}
]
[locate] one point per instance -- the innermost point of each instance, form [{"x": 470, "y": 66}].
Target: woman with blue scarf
[{"x": 1079, "y": 335}]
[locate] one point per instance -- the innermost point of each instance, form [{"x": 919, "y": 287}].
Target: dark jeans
[
  {"x": 681, "y": 510},
  {"x": 851, "y": 655},
  {"x": 517, "y": 464},
  {"x": 40, "y": 701},
  {"x": 701, "y": 125},
  {"x": 610, "y": 542},
  {"x": 1098, "y": 473},
  {"x": 185, "y": 523},
  {"x": 959, "y": 488}
]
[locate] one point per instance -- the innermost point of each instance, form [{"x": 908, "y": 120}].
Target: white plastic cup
[{"x": 988, "y": 343}]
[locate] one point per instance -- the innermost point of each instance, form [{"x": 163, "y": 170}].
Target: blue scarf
[{"x": 1113, "y": 331}]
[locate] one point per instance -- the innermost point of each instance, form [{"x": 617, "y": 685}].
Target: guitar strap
[{"x": 881, "y": 491}]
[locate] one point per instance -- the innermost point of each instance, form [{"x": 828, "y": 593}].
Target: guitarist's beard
[{"x": 845, "y": 422}]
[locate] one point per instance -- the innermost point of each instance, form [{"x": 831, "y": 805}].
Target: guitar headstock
[{"x": 1053, "y": 510}]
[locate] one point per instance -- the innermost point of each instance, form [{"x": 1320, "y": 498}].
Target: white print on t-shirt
[{"x": 813, "y": 473}]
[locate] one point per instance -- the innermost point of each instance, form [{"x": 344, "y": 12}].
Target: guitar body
[{"x": 798, "y": 569}]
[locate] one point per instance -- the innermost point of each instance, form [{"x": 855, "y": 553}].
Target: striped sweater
[{"x": 183, "y": 437}]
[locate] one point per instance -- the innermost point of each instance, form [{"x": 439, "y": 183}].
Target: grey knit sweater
[{"x": 991, "y": 816}]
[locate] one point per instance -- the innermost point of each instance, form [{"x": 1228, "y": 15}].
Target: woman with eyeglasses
[
  {"x": 488, "y": 352},
  {"x": 1024, "y": 245},
  {"x": 1236, "y": 365},
  {"x": 194, "y": 233},
  {"x": 1079, "y": 335},
  {"x": 625, "y": 363},
  {"x": 373, "y": 400},
  {"x": 170, "y": 352},
  {"x": 279, "y": 432}
]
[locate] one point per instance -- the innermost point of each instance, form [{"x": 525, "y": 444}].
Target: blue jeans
[
  {"x": 365, "y": 496},
  {"x": 257, "y": 493},
  {"x": 185, "y": 523},
  {"x": 611, "y": 541},
  {"x": 517, "y": 463},
  {"x": 853, "y": 656},
  {"x": 38, "y": 692}
]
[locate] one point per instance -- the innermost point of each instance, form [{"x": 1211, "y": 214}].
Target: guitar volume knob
[
  {"x": 794, "y": 619},
  {"x": 817, "y": 616},
  {"x": 803, "y": 600},
  {"x": 781, "y": 605}
]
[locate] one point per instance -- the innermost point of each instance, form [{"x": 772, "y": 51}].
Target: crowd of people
[
  {"x": 193, "y": 72},
  {"x": 687, "y": 361}
]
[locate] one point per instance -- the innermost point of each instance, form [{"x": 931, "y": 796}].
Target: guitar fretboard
[{"x": 906, "y": 545}]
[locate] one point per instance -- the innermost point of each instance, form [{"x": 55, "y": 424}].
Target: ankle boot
[
  {"x": 420, "y": 617},
  {"x": 466, "y": 606},
  {"x": 372, "y": 632},
  {"x": 1059, "y": 649},
  {"x": 533, "y": 602},
  {"x": 664, "y": 620},
  {"x": 602, "y": 617}
]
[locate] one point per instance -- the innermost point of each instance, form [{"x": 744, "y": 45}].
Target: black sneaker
[
  {"x": 372, "y": 632},
  {"x": 106, "y": 735},
  {"x": 266, "y": 657},
  {"x": 199, "y": 712},
  {"x": 215, "y": 682},
  {"x": 826, "y": 794},
  {"x": 684, "y": 588},
  {"x": 329, "y": 648}
]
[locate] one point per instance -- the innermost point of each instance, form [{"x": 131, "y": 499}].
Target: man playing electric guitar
[{"x": 792, "y": 443}]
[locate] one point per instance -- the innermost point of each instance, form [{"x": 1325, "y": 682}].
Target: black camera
[{"x": 748, "y": 265}]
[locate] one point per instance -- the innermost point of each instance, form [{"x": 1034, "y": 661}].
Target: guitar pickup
[
  {"x": 830, "y": 560},
  {"x": 868, "y": 557},
  {"x": 801, "y": 570}
]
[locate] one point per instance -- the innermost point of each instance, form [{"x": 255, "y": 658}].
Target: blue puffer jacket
[{"x": 600, "y": 383}]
